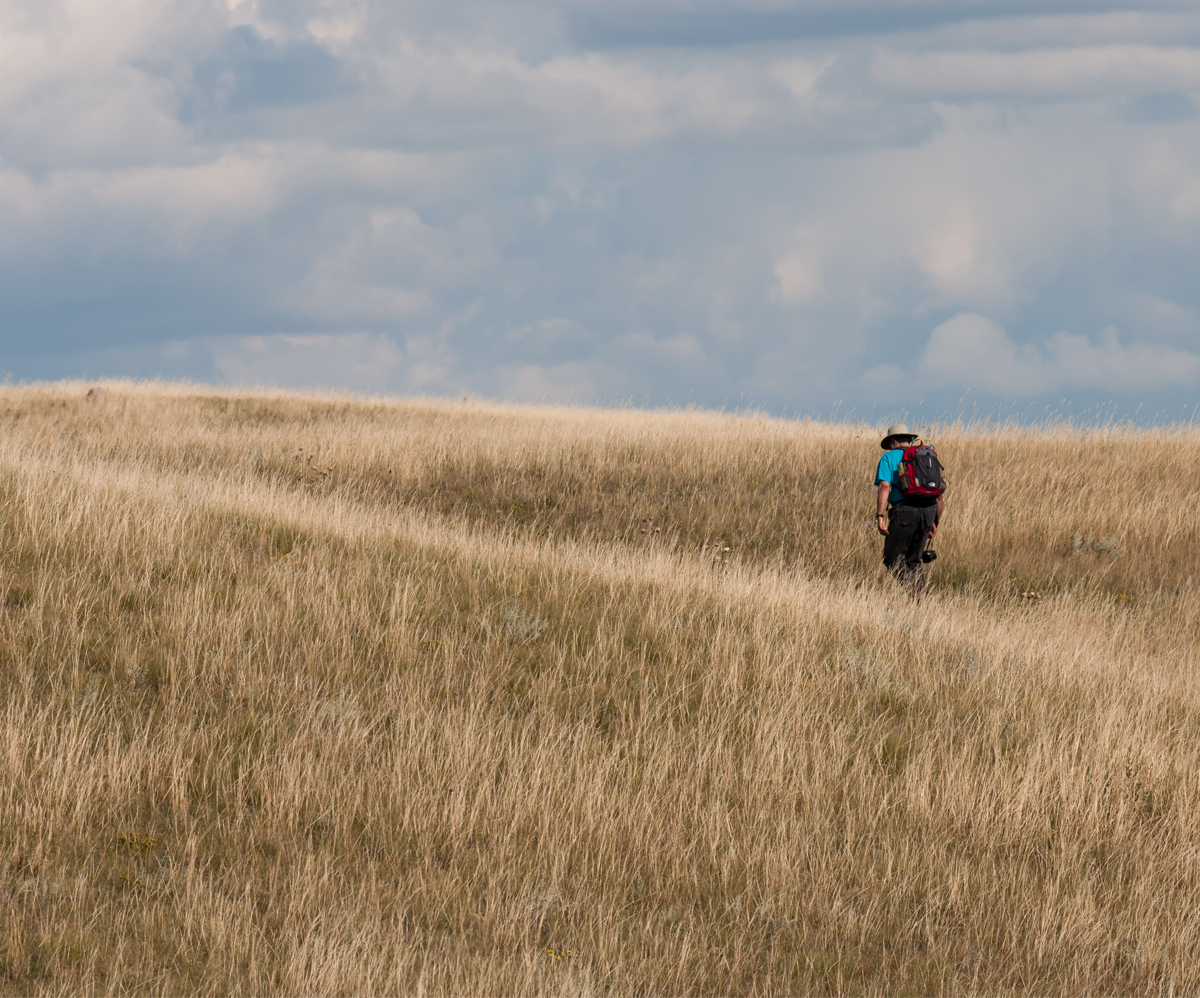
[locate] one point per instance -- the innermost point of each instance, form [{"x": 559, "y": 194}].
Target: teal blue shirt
[{"x": 889, "y": 468}]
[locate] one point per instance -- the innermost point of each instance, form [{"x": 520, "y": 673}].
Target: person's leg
[
  {"x": 903, "y": 522},
  {"x": 919, "y": 537}
]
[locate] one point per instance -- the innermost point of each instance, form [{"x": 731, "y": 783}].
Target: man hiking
[{"x": 909, "y": 519}]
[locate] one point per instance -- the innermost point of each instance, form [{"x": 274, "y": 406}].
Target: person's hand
[
  {"x": 881, "y": 525},
  {"x": 933, "y": 532}
]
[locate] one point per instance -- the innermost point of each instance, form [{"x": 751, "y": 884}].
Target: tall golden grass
[{"x": 319, "y": 695}]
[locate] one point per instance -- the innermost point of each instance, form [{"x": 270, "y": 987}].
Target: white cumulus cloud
[{"x": 970, "y": 351}]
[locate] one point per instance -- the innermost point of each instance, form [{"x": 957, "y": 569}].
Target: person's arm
[
  {"x": 881, "y": 501},
  {"x": 933, "y": 532}
]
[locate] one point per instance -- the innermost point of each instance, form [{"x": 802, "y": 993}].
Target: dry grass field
[{"x": 306, "y": 695}]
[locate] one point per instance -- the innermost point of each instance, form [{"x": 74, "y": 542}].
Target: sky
[{"x": 828, "y": 206}]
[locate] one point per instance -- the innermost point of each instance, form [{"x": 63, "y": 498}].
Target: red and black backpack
[{"x": 920, "y": 473}]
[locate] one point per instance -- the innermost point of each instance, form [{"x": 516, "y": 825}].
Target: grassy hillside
[{"x": 326, "y": 696}]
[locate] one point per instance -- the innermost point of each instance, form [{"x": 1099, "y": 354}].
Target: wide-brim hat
[{"x": 894, "y": 431}]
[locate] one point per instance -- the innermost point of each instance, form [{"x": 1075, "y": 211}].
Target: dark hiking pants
[{"x": 908, "y": 530}]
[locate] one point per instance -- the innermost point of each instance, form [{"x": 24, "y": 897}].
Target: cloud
[
  {"x": 1158, "y": 109},
  {"x": 472, "y": 93},
  {"x": 970, "y": 220},
  {"x": 969, "y": 351},
  {"x": 713, "y": 199},
  {"x": 710, "y": 24},
  {"x": 1073, "y": 72},
  {"x": 357, "y": 360},
  {"x": 798, "y": 278},
  {"x": 250, "y": 71},
  {"x": 666, "y": 369}
]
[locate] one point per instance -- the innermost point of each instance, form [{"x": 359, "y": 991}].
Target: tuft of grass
[{"x": 17, "y": 596}]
